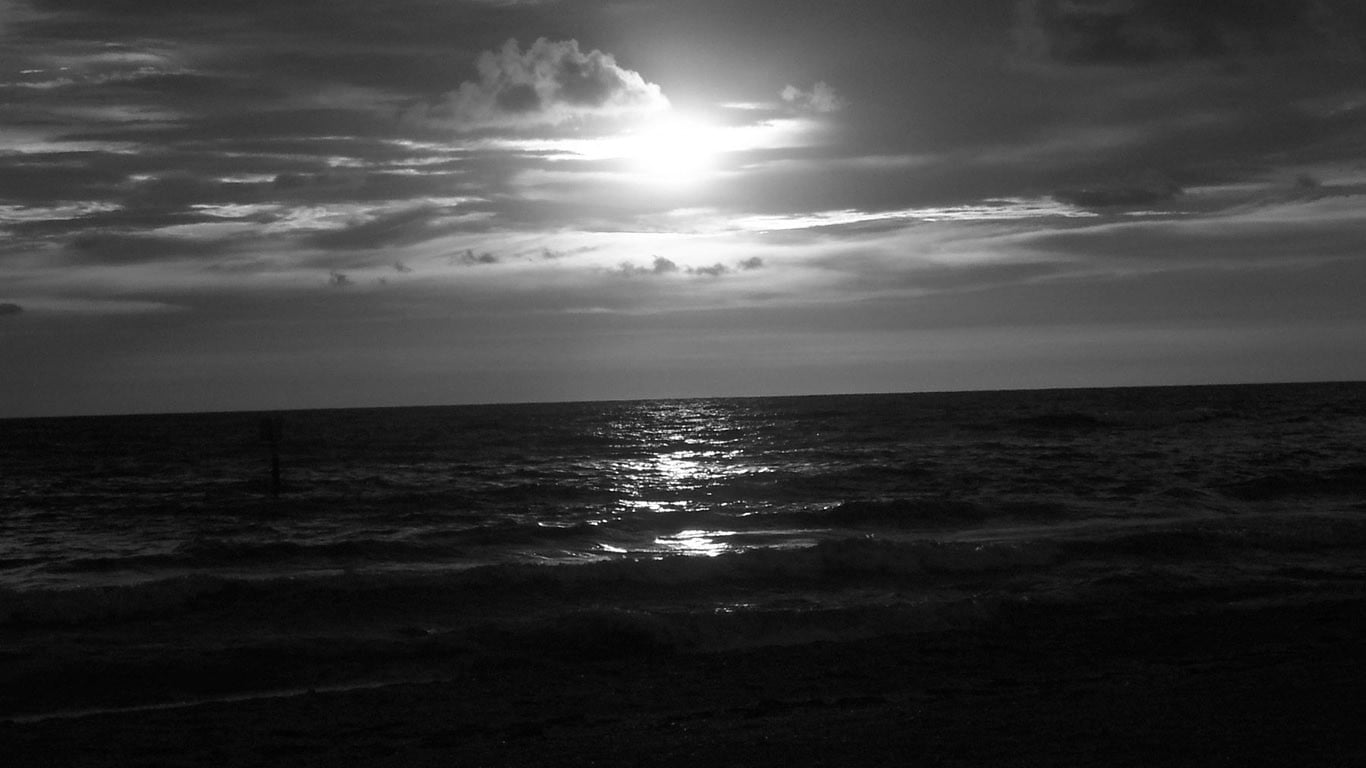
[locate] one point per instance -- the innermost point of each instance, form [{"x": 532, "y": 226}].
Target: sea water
[{"x": 402, "y": 541}]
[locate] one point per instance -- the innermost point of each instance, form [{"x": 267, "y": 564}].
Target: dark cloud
[
  {"x": 337, "y": 279},
  {"x": 57, "y": 176},
  {"x": 1147, "y": 189},
  {"x": 663, "y": 266},
  {"x": 548, "y": 83},
  {"x": 821, "y": 98},
  {"x": 399, "y": 228},
  {"x": 1139, "y": 31},
  {"x": 137, "y": 248},
  {"x": 399, "y": 48},
  {"x": 383, "y": 185},
  {"x": 470, "y": 258},
  {"x": 176, "y": 190},
  {"x": 272, "y": 121},
  {"x": 1293, "y": 234},
  {"x": 345, "y": 184},
  {"x": 715, "y": 270},
  {"x": 341, "y": 20},
  {"x": 552, "y": 254},
  {"x": 660, "y": 266},
  {"x": 9, "y": 308},
  {"x": 7, "y": 12}
]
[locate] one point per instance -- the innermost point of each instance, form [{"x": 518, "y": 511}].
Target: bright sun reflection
[
  {"x": 695, "y": 542},
  {"x": 683, "y": 460}
]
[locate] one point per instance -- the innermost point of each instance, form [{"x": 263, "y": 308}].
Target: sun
[{"x": 672, "y": 150}]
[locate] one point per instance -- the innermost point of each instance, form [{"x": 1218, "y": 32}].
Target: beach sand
[{"x": 1238, "y": 686}]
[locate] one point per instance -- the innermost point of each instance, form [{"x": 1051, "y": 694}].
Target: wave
[
  {"x": 934, "y": 511},
  {"x": 440, "y": 546},
  {"x": 90, "y": 605},
  {"x": 429, "y": 537},
  {"x": 1233, "y": 538},
  {"x": 449, "y": 591},
  {"x": 204, "y": 635},
  {"x": 1348, "y": 480},
  {"x": 866, "y": 559},
  {"x": 213, "y": 553}
]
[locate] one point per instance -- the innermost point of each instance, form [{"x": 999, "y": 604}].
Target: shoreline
[{"x": 1270, "y": 685}]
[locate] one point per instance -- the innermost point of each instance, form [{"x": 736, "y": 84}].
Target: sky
[{"x": 261, "y": 204}]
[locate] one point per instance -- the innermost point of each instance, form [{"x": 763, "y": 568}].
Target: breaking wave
[{"x": 869, "y": 560}]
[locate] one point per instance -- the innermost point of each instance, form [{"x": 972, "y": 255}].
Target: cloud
[
  {"x": 400, "y": 227},
  {"x": 122, "y": 248},
  {"x": 663, "y": 266},
  {"x": 821, "y": 98},
  {"x": 660, "y": 266},
  {"x": 718, "y": 269},
  {"x": 346, "y": 183},
  {"x": 1286, "y": 235},
  {"x": 1142, "y": 31},
  {"x": 715, "y": 270},
  {"x": 86, "y": 306},
  {"x": 12, "y": 11},
  {"x": 469, "y": 258},
  {"x": 1146, "y": 189},
  {"x": 173, "y": 190},
  {"x": 547, "y": 84},
  {"x": 339, "y": 279}
]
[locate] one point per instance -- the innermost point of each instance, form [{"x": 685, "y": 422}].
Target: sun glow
[{"x": 673, "y": 150}]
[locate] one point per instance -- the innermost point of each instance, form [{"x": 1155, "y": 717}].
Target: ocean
[{"x": 149, "y": 561}]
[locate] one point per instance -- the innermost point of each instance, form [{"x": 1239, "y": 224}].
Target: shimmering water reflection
[
  {"x": 696, "y": 542},
  {"x": 679, "y": 453}
]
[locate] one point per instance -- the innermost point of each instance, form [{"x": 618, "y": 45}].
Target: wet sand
[{"x": 1050, "y": 686}]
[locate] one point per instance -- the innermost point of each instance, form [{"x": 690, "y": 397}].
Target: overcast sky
[{"x": 237, "y": 204}]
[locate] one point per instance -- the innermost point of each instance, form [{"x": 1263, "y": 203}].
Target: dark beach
[{"x": 1137, "y": 684}]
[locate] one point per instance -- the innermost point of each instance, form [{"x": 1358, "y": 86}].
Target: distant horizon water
[{"x": 647, "y": 398}]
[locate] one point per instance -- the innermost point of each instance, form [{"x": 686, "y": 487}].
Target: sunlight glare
[
  {"x": 673, "y": 150},
  {"x": 696, "y": 542}
]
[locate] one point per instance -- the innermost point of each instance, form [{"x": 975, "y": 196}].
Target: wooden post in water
[{"x": 270, "y": 433}]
